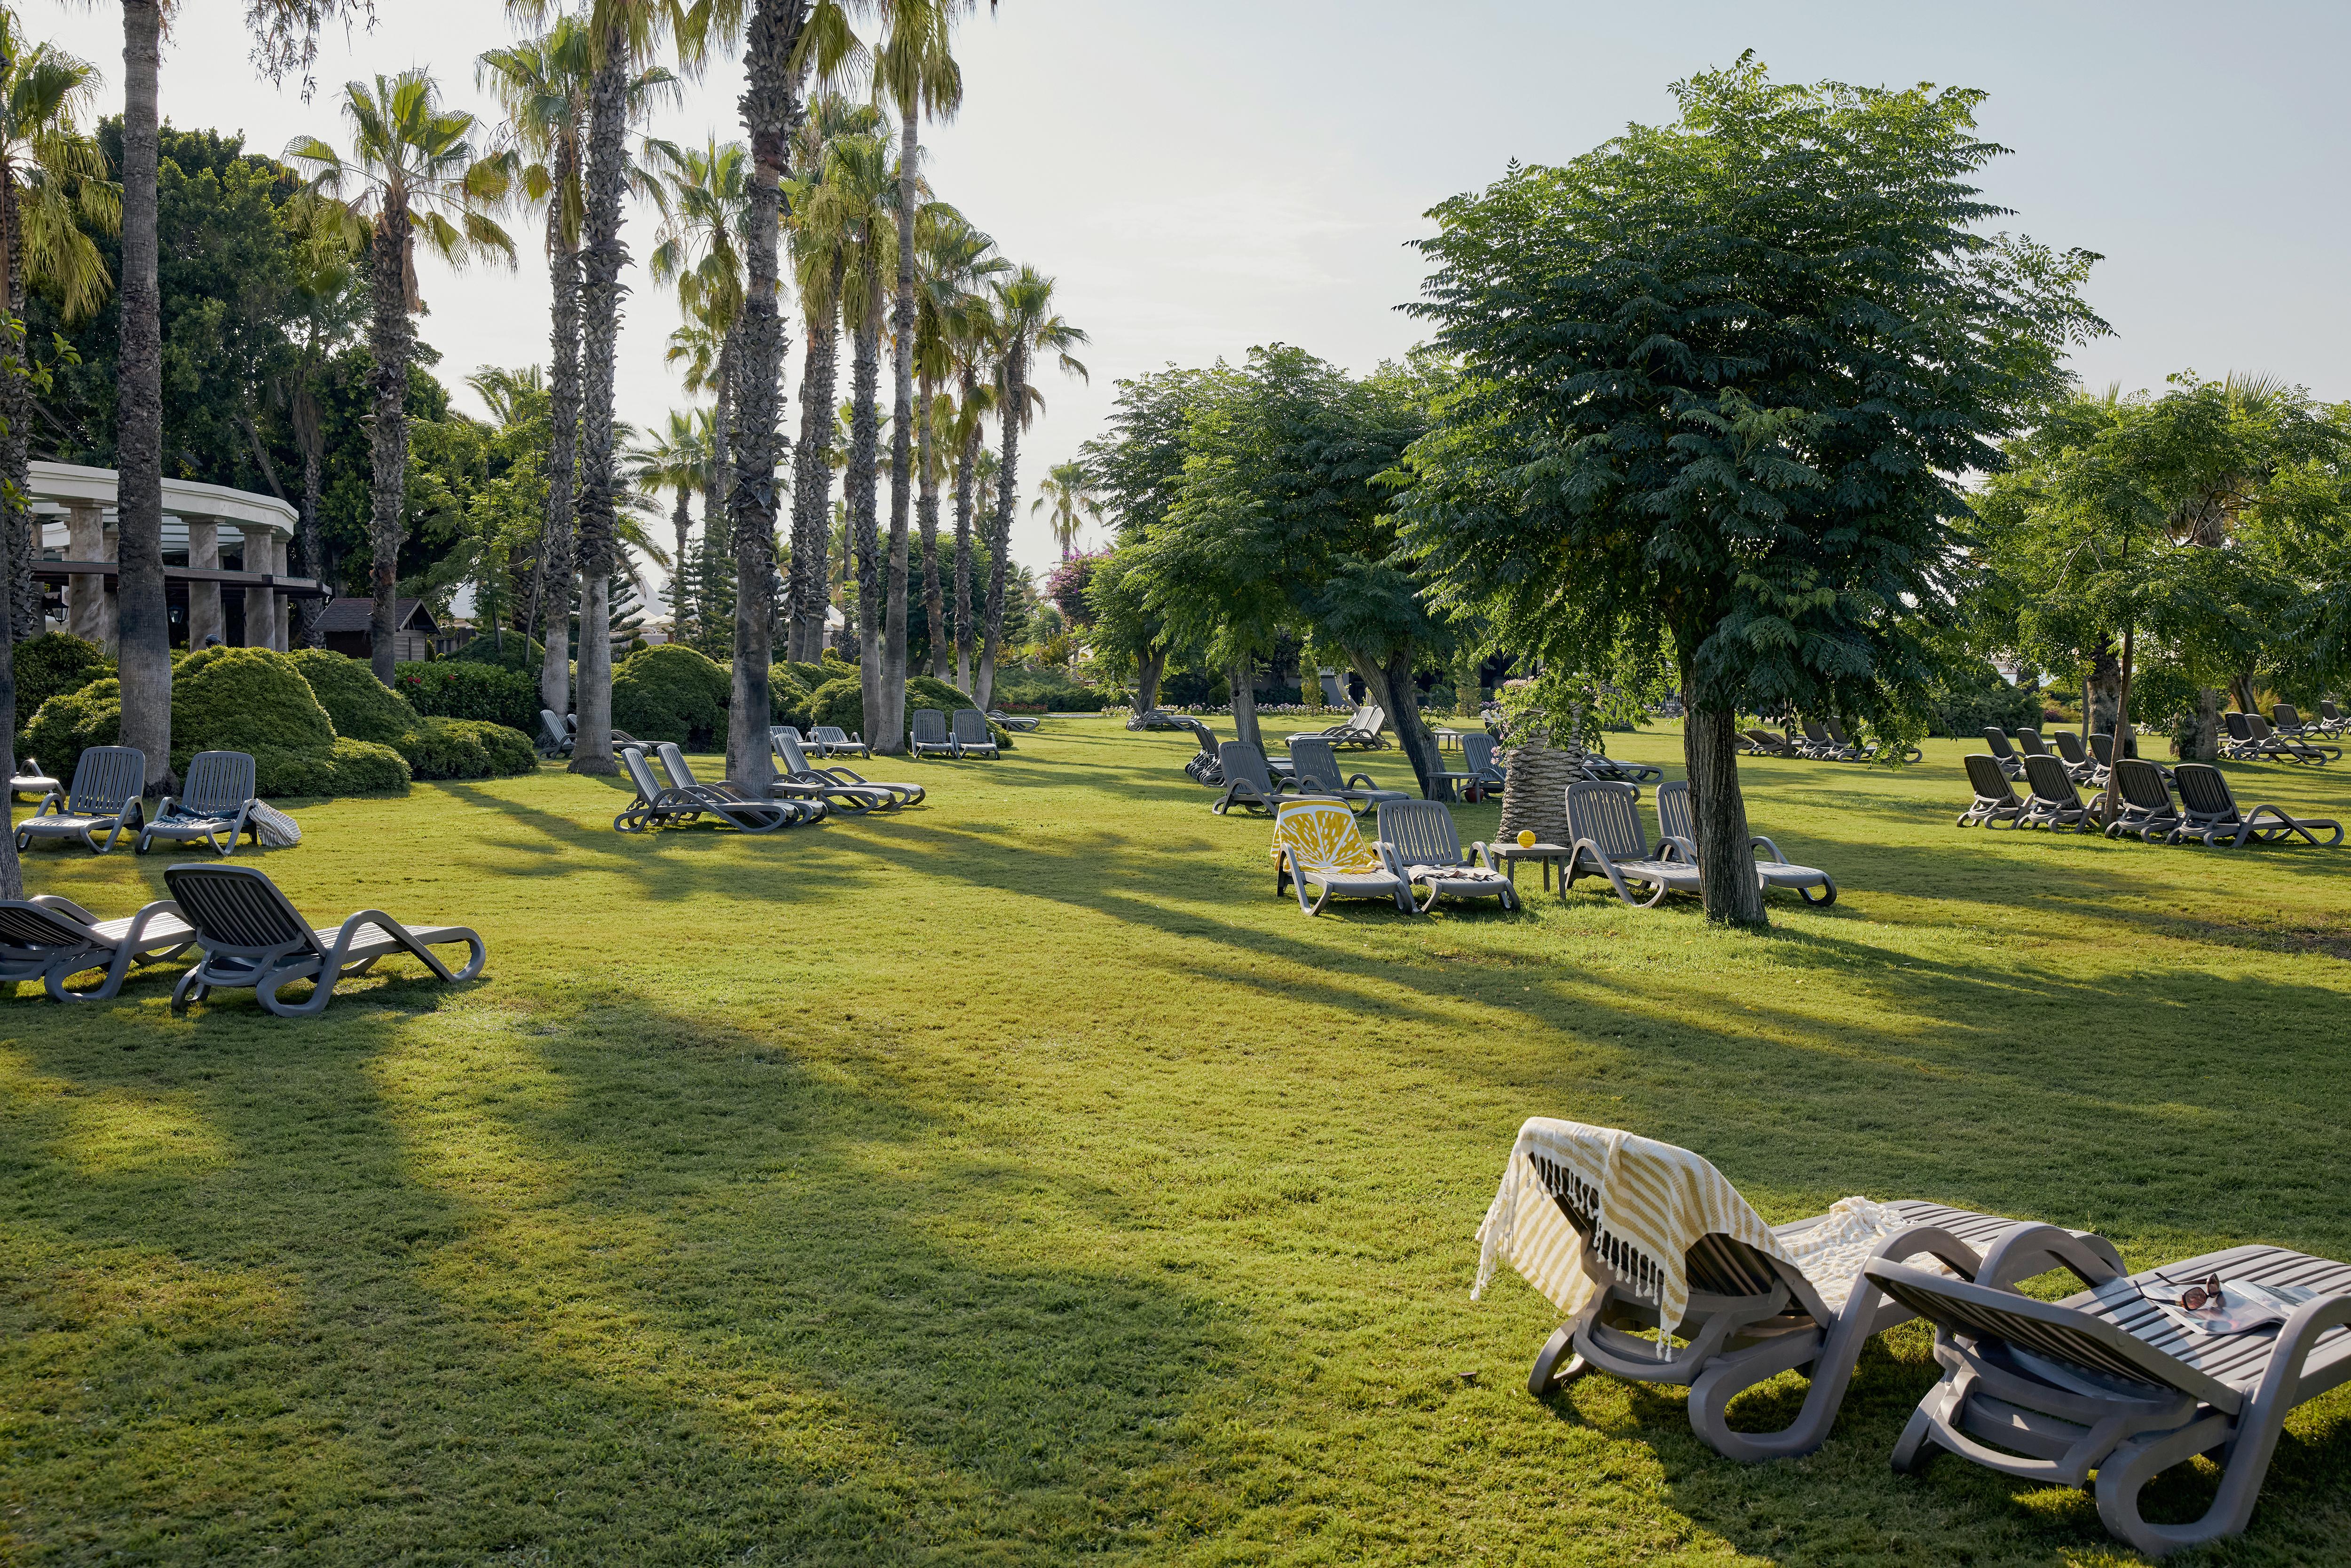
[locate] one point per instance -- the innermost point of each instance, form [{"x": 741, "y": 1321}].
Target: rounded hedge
[
  {"x": 52, "y": 664},
  {"x": 511, "y": 651},
  {"x": 71, "y": 723},
  {"x": 465, "y": 748},
  {"x": 674, "y": 693},
  {"x": 361, "y": 707}
]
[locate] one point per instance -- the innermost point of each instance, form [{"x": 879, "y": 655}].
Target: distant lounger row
[{"x": 2205, "y": 811}]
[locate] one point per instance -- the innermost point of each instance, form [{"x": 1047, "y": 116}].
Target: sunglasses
[{"x": 2203, "y": 1297}]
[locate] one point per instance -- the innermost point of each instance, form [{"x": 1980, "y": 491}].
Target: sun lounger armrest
[
  {"x": 147, "y": 915},
  {"x": 63, "y": 905},
  {"x": 1361, "y": 781},
  {"x": 1759, "y": 838},
  {"x": 2024, "y": 1250},
  {"x": 50, "y": 803}
]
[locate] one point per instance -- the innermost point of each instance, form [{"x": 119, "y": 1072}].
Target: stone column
[
  {"x": 204, "y": 616},
  {"x": 260, "y": 604},
  {"x": 89, "y": 613}
]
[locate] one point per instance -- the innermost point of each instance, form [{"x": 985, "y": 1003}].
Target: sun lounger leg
[{"x": 1554, "y": 1366}]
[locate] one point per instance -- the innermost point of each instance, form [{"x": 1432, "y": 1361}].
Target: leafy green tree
[{"x": 1718, "y": 380}]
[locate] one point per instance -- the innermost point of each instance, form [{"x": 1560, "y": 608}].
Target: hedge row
[{"x": 459, "y": 688}]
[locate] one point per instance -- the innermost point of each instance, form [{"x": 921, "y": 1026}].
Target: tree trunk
[
  {"x": 770, "y": 105},
  {"x": 2241, "y": 688},
  {"x": 309, "y": 537},
  {"x": 999, "y": 528},
  {"x": 1388, "y": 682},
  {"x": 15, "y": 441},
  {"x": 391, "y": 342},
  {"x": 680, "y": 523},
  {"x": 902, "y": 439},
  {"x": 601, "y": 258},
  {"x": 12, "y": 874},
  {"x": 1147, "y": 671},
  {"x": 556, "y": 551},
  {"x": 926, "y": 516},
  {"x": 860, "y": 482},
  {"x": 2206, "y": 747},
  {"x": 702, "y": 611},
  {"x": 1240, "y": 678},
  {"x": 142, "y": 619},
  {"x": 1725, "y": 862},
  {"x": 2103, "y": 694},
  {"x": 964, "y": 470},
  {"x": 812, "y": 480},
  {"x": 2119, "y": 746}
]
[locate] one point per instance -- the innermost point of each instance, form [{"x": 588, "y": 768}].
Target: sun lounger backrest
[
  {"x": 1609, "y": 815},
  {"x": 1315, "y": 764},
  {"x": 1375, "y": 718},
  {"x": 633, "y": 760},
  {"x": 970, "y": 728},
  {"x": 787, "y": 742},
  {"x": 2060, "y": 1333},
  {"x": 1673, "y": 819},
  {"x": 1321, "y": 836},
  {"x": 107, "y": 780},
  {"x": 2204, "y": 791},
  {"x": 1997, "y": 738},
  {"x": 1244, "y": 764},
  {"x": 2142, "y": 785},
  {"x": 237, "y": 909},
  {"x": 1986, "y": 779},
  {"x": 930, "y": 727},
  {"x": 2051, "y": 781},
  {"x": 2260, "y": 727},
  {"x": 2237, "y": 728},
  {"x": 1420, "y": 831},
  {"x": 1815, "y": 732},
  {"x": 2028, "y": 741},
  {"x": 2069, "y": 747},
  {"x": 218, "y": 783},
  {"x": 28, "y": 924},
  {"x": 2288, "y": 718},
  {"x": 1836, "y": 732},
  {"x": 1717, "y": 1264},
  {"x": 2327, "y": 711},
  {"x": 672, "y": 761},
  {"x": 833, "y": 735},
  {"x": 1477, "y": 753}
]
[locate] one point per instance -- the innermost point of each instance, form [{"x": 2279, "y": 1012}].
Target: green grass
[{"x": 1017, "y": 1179}]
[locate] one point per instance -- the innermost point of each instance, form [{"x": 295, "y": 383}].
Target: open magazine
[{"x": 2244, "y": 1306}]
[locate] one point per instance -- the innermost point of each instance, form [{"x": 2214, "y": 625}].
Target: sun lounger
[
  {"x": 1479, "y": 771},
  {"x": 1423, "y": 847},
  {"x": 1248, "y": 783},
  {"x": 787, "y": 745},
  {"x": 51, "y": 939},
  {"x": 969, "y": 725},
  {"x": 723, "y": 800},
  {"x": 2085, "y": 769},
  {"x": 2107, "y": 1382},
  {"x": 1024, "y": 723},
  {"x": 1363, "y": 731},
  {"x": 799, "y": 781},
  {"x": 2331, "y": 721},
  {"x": 2287, "y": 720},
  {"x": 1316, "y": 845},
  {"x": 1604, "y": 824},
  {"x": 1763, "y": 743},
  {"x": 1677, "y": 824},
  {"x": 2268, "y": 742},
  {"x": 2055, "y": 803},
  {"x": 1314, "y": 769},
  {"x": 831, "y": 740},
  {"x": 29, "y": 783},
  {"x": 1625, "y": 1235},
  {"x": 1995, "y": 800},
  {"x": 1205, "y": 765},
  {"x": 253, "y": 938},
  {"x": 2146, "y": 805},
  {"x": 927, "y": 734},
  {"x": 554, "y": 735},
  {"x": 1996, "y": 738},
  {"x": 216, "y": 804},
  {"x": 2208, "y": 814},
  {"x": 1608, "y": 770},
  {"x": 107, "y": 783}
]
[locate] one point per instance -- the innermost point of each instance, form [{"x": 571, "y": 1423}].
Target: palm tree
[
  {"x": 699, "y": 250},
  {"x": 52, "y": 183},
  {"x": 413, "y": 168},
  {"x": 327, "y": 240},
  {"x": 1027, "y": 325},
  {"x": 677, "y": 459},
  {"x": 956, "y": 260},
  {"x": 1069, "y": 494},
  {"x": 973, "y": 465},
  {"x": 915, "y": 68}
]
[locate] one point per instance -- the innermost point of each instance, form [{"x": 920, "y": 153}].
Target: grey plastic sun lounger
[
  {"x": 2208, "y": 814},
  {"x": 554, "y": 735},
  {"x": 107, "y": 783},
  {"x": 2146, "y": 806},
  {"x": 799, "y": 781},
  {"x": 1023, "y": 722},
  {"x": 30, "y": 781},
  {"x": 1248, "y": 783},
  {"x": 253, "y": 938},
  {"x": 1421, "y": 845},
  {"x": 1763, "y": 743},
  {"x": 2287, "y": 720},
  {"x": 927, "y": 734},
  {"x": 2105, "y": 1382},
  {"x": 969, "y": 725},
  {"x": 2085, "y": 769},
  {"x": 1608, "y": 770},
  {"x": 831, "y": 739},
  {"x": 2055, "y": 803},
  {"x": 51, "y": 939},
  {"x": 1361, "y": 731},
  {"x": 1752, "y": 1317},
  {"x": 1995, "y": 800},
  {"x": 1996, "y": 738},
  {"x": 724, "y": 802},
  {"x": 1677, "y": 824},
  {"x": 2268, "y": 742},
  {"x": 2330, "y": 721},
  {"x": 785, "y": 742},
  {"x": 1479, "y": 770},
  {"x": 659, "y": 805},
  {"x": 1314, "y": 769},
  {"x": 1603, "y": 823},
  {"x": 214, "y": 805}
]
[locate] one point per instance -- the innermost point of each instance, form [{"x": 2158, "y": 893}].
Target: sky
[{"x": 1207, "y": 176}]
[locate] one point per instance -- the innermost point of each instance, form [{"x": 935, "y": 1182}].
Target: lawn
[{"x": 1017, "y": 1179}]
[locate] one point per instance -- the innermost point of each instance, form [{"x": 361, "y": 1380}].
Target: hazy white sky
[{"x": 1209, "y": 175}]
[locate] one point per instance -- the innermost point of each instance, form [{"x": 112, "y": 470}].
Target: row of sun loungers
[
  {"x": 2105, "y": 1382},
  {"x": 216, "y": 804},
  {"x": 1823, "y": 741},
  {"x": 251, "y": 936},
  {"x": 964, "y": 733},
  {"x": 2205, "y": 812},
  {"x": 798, "y": 793}
]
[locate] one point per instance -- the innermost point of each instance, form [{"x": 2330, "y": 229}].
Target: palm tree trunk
[
  {"x": 863, "y": 478},
  {"x": 601, "y": 258},
  {"x": 963, "y": 471},
  {"x": 390, "y": 340},
  {"x": 812, "y": 481},
  {"x": 311, "y": 538},
  {"x": 719, "y": 481},
  {"x": 1000, "y": 528},
  {"x": 680, "y": 522},
  {"x": 902, "y": 438},
  {"x": 556, "y": 548},
  {"x": 12, "y": 874},
  {"x": 926, "y": 515},
  {"x": 142, "y": 619},
  {"x": 770, "y": 112},
  {"x": 17, "y": 409}
]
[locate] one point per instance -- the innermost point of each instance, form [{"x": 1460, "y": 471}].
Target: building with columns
[{"x": 225, "y": 560}]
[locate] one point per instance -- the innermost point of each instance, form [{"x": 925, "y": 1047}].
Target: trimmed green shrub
[
  {"x": 448, "y": 688},
  {"x": 519, "y": 652},
  {"x": 787, "y": 697},
  {"x": 842, "y": 702},
  {"x": 52, "y": 664},
  {"x": 1049, "y": 691},
  {"x": 358, "y": 767},
  {"x": 361, "y": 707},
  {"x": 674, "y": 693},
  {"x": 72, "y": 722}
]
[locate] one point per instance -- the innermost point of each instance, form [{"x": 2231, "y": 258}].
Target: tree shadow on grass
[{"x": 626, "y": 1284}]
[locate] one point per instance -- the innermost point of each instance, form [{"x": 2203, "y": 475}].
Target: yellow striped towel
[{"x": 1650, "y": 1202}]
